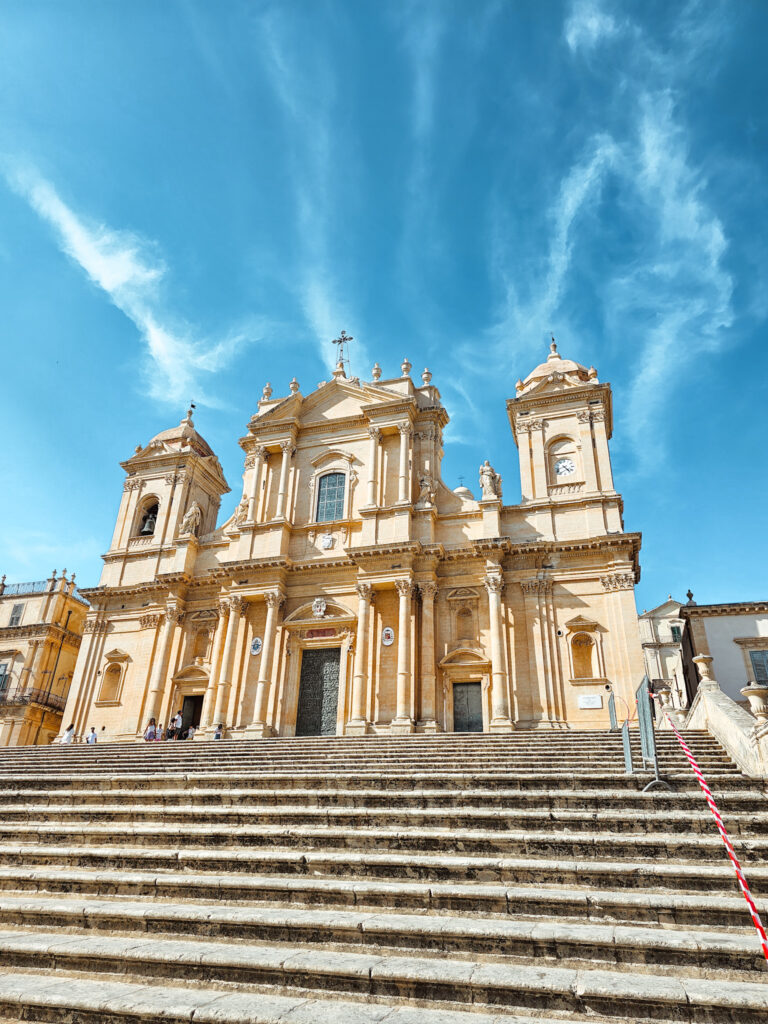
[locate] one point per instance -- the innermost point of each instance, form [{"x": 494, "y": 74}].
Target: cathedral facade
[{"x": 352, "y": 591}]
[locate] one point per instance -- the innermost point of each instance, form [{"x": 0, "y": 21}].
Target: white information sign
[{"x": 590, "y": 700}]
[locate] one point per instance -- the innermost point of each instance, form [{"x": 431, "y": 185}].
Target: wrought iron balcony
[{"x": 18, "y": 697}]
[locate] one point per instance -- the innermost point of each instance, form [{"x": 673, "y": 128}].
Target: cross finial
[{"x": 343, "y": 341}]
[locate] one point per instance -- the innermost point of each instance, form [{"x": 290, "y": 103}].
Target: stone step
[
  {"x": 651, "y": 822},
  {"x": 535, "y": 843},
  {"x": 403, "y": 977},
  {"x": 583, "y": 876},
  {"x": 623, "y": 947},
  {"x": 739, "y": 801},
  {"x": 561, "y": 902}
]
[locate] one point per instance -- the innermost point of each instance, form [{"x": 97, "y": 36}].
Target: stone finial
[
  {"x": 293, "y": 387},
  {"x": 376, "y": 372},
  {"x": 2, "y": 584},
  {"x": 519, "y": 385},
  {"x": 137, "y": 449},
  {"x": 53, "y": 574},
  {"x": 266, "y": 393},
  {"x": 592, "y": 373},
  {"x": 704, "y": 664},
  {"x": 426, "y": 376},
  {"x": 553, "y": 353},
  {"x": 405, "y": 367},
  {"x": 689, "y": 595}
]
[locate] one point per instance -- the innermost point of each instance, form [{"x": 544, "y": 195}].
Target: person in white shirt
[
  {"x": 149, "y": 732},
  {"x": 69, "y": 735},
  {"x": 92, "y": 737},
  {"x": 191, "y": 732},
  {"x": 177, "y": 725}
]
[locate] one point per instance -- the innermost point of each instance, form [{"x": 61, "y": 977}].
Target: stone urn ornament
[{"x": 757, "y": 695}]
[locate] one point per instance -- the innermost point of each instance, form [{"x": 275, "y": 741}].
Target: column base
[
  {"x": 356, "y": 728},
  {"x": 258, "y": 731},
  {"x": 429, "y": 726},
  {"x": 401, "y": 727},
  {"x": 501, "y": 725}
]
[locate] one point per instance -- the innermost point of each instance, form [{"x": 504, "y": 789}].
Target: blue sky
[{"x": 195, "y": 197}]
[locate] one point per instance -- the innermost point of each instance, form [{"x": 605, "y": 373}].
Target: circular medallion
[
  {"x": 256, "y": 645},
  {"x": 387, "y": 636}
]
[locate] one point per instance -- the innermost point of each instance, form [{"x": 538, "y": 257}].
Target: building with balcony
[
  {"x": 41, "y": 627},
  {"x": 352, "y": 591}
]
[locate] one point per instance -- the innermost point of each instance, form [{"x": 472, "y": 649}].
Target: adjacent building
[
  {"x": 734, "y": 635},
  {"x": 352, "y": 591},
  {"x": 41, "y": 626},
  {"x": 661, "y": 634}
]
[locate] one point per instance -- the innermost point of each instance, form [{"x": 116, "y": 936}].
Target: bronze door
[
  {"x": 318, "y": 692},
  {"x": 467, "y": 707}
]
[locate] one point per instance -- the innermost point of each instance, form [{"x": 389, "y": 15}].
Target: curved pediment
[
  {"x": 191, "y": 674},
  {"x": 464, "y": 656},
  {"x": 321, "y": 611}
]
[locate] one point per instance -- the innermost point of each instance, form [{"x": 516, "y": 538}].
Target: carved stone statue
[
  {"x": 190, "y": 524},
  {"x": 241, "y": 512},
  {"x": 490, "y": 482},
  {"x": 426, "y": 498}
]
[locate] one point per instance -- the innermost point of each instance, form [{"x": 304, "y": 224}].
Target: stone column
[
  {"x": 27, "y": 673},
  {"x": 403, "y": 476},
  {"x": 213, "y": 678},
  {"x": 236, "y": 609},
  {"x": 274, "y": 599},
  {"x": 253, "y": 497},
  {"x": 428, "y": 592},
  {"x": 500, "y": 720},
  {"x": 287, "y": 449},
  {"x": 403, "y": 721},
  {"x": 364, "y": 598},
  {"x": 160, "y": 669},
  {"x": 373, "y": 459}
]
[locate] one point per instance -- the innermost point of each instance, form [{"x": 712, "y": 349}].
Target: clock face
[{"x": 565, "y": 467}]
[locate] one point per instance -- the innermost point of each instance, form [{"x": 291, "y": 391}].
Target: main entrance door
[
  {"x": 467, "y": 707},
  {"x": 318, "y": 692},
  {"x": 191, "y": 710}
]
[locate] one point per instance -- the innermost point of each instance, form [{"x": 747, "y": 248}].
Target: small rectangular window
[
  {"x": 759, "y": 661},
  {"x": 16, "y": 614},
  {"x": 3, "y": 676},
  {"x": 677, "y": 634}
]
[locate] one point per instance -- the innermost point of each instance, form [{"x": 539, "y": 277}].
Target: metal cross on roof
[{"x": 343, "y": 341}]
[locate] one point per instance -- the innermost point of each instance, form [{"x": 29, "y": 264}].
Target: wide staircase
[{"x": 416, "y": 880}]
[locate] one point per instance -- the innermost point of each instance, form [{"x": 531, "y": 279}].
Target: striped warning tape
[{"x": 725, "y": 837}]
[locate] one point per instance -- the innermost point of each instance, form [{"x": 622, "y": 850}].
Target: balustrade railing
[{"x": 20, "y": 697}]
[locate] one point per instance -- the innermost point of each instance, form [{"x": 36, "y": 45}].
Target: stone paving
[{"x": 412, "y": 880}]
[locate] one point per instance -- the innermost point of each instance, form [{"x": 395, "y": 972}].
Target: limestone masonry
[{"x": 352, "y": 591}]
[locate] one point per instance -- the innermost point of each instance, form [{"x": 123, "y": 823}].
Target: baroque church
[{"x": 352, "y": 591}]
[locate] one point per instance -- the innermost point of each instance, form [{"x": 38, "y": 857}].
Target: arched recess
[
  {"x": 464, "y": 665},
  {"x": 586, "y": 655},
  {"x": 147, "y": 512},
  {"x": 564, "y": 451},
  {"x": 113, "y": 677}
]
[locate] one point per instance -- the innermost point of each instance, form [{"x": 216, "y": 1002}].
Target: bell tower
[
  {"x": 562, "y": 419},
  {"x": 171, "y": 496}
]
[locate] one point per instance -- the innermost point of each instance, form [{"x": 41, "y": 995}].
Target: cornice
[
  {"x": 693, "y": 611},
  {"x": 40, "y": 630}
]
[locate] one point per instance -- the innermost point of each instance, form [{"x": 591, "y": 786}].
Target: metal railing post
[
  {"x": 612, "y": 713},
  {"x": 648, "y": 737}
]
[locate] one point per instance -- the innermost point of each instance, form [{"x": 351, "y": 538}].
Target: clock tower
[{"x": 562, "y": 419}]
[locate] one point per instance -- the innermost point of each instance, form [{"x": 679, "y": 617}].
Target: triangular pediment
[{"x": 343, "y": 399}]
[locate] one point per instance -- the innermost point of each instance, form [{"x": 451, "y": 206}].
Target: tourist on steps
[
  {"x": 69, "y": 735},
  {"x": 92, "y": 737},
  {"x": 219, "y": 731},
  {"x": 150, "y": 731}
]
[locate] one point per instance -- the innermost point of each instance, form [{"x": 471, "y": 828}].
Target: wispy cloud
[
  {"x": 304, "y": 84},
  {"x": 129, "y": 270},
  {"x": 673, "y": 299}
]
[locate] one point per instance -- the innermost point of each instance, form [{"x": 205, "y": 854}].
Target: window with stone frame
[
  {"x": 16, "y": 613},
  {"x": 110, "y": 683},
  {"x": 759, "y": 661},
  {"x": 677, "y": 633},
  {"x": 3, "y": 676},
  {"x": 330, "y": 497}
]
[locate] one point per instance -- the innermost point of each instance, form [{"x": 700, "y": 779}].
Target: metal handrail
[{"x": 648, "y": 736}]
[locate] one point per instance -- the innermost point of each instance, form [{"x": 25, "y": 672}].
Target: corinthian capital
[
  {"x": 405, "y": 429},
  {"x": 173, "y": 614},
  {"x": 428, "y": 591},
  {"x": 404, "y": 588},
  {"x": 286, "y": 447},
  {"x": 237, "y": 605},
  {"x": 375, "y": 433},
  {"x": 364, "y": 590},
  {"x": 493, "y": 584},
  {"x": 274, "y": 598}
]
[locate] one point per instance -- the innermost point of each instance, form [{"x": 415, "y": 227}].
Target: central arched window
[{"x": 330, "y": 497}]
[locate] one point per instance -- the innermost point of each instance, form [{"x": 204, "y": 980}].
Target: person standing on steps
[
  {"x": 219, "y": 731},
  {"x": 92, "y": 737},
  {"x": 69, "y": 735},
  {"x": 151, "y": 731},
  {"x": 159, "y": 731},
  {"x": 177, "y": 726}
]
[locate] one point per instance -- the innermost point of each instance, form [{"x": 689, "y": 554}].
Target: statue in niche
[
  {"x": 490, "y": 482},
  {"x": 426, "y": 498},
  {"x": 190, "y": 524}
]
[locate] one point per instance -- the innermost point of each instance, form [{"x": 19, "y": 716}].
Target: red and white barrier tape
[{"x": 725, "y": 837}]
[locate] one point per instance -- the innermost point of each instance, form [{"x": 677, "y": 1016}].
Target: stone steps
[
  {"x": 415, "y": 881},
  {"x": 559, "y": 902}
]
